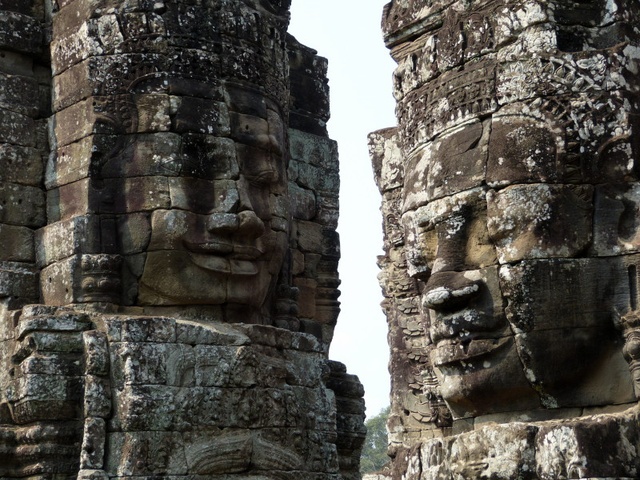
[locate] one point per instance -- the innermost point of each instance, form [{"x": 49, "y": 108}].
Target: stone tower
[
  {"x": 168, "y": 270},
  {"x": 510, "y": 198}
]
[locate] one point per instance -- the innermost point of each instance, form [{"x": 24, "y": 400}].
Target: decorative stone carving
[
  {"x": 168, "y": 276},
  {"x": 509, "y": 204}
]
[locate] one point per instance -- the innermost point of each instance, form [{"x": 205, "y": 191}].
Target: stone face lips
[{"x": 510, "y": 266}]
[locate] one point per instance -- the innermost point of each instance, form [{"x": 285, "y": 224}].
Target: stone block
[
  {"x": 79, "y": 41},
  {"x": 578, "y": 301},
  {"x": 47, "y": 388},
  {"x": 53, "y": 341},
  {"x": 69, "y": 201},
  {"x": 19, "y": 94},
  {"x": 141, "y": 329},
  {"x": 97, "y": 397},
  {"x": 246, "y": 101},
  {"x": 20, "y": 281},
  {"x": 18, "y": 244},
  {"x": 129, "y": 195},
  {"x": 571, "y": 447},
  {"x": 95, "y": 76},
  {"x": 386, "y": 155},
  {"x": 522, "y": 151},
  {"x": 203, "y": 196},
  {"x": 96, "y": 353},
  {"x": 82, "y": 278},
  {"x": 48, "y": 364},
  {"x": 440, "y": 221},
  {"x": 187, "y": 286},
  {"x": 307, "y": 298},
  {"x": 15, "y": 63},
  {"x": 199, "y": 115},
  {"x": 615, "y": 226},
  {"x": 22, "y": 205},
  {"x": 250, "y": 130},
  {"x": 309, "y": 236},
  {"x": 303, "y": 202},
  {"x": 452, "y": 164},
  {"x": 139, "y": 194},
  {"x": 72, "y": 18},
  {"x": 328, "y": 210},
  {"x": 30, "y": 39},
  {"x": 208, "y": 156},
  {"x": 316, "y": 178},
  {"x": 26, "y": 8},
  {"x": 591, "y": 353},
  {"x": 202, "y": 408},
  {"x": 149, "y": 154},
  {"x": 74, "y": 161},
  {"x": 20, "y": 164},
  {"x": 134, "y": 232},
  {"x": 146, "y": 407},
  {"x": 540, "y": 221},
  {"x": 60, "y": 282},
  {"x": 313, "y": 149},
  {"x": 8, "y": 321},
  {"x": 48, "y": 318},
  {"x": 141, "y": 363},
  {"x": 330, "y": 244},
  {"x": 168, "y": 228},
  {"x": 181, "y": 361},
  {"x": 79, "y": 121},
  {"x": 196, "y": 333},
  {"x": 231, "y": 452},
  {"x": 153, "y": 113},
  {"x": 146, "y": 453},
  {"x": 304, "y": 369},
  {"x": 508, "y": 449},
  {"x": 214, "y": 365},
  {"x": 62, "y": 239},
  {"x": 93, "y": 443}
]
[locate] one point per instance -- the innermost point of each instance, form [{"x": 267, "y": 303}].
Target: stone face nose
[
  {"x": 250, "y": 224},
  {"x": 449, "y": 291},
  {"x": 245, "y": 223}
]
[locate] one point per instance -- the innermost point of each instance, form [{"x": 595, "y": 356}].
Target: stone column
[
  {"x": 24, "y": 108},
  {"x": 511, "y": 237},
  {"x": 188, "y": 256}
]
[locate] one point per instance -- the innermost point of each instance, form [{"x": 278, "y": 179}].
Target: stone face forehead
[
  {"x": 107, "y": 48},
  {"x": 559, "y": 62},
  {"x": 406, "y": 20}
]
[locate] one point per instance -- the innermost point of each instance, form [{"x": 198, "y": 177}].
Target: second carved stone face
[
  {"x": 224, "y": 237},
  {"x": 519, "y": 311}
]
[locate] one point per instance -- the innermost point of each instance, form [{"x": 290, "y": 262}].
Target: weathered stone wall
[
  {"x": 24, "y": 107},
  {"x": 24, "y": 110},
  {"x": 167, "y": 310},
  {"x": 511, "y": 247}
]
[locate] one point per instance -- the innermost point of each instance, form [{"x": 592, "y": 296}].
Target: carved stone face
[
  {"x": 518, "y": 314},
  {"x": 222, "y": 241}
]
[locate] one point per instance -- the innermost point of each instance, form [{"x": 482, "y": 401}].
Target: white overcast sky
[{"x": 347, "y": 32}]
